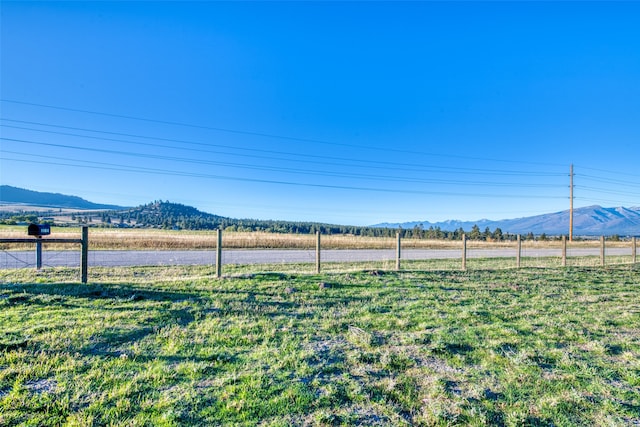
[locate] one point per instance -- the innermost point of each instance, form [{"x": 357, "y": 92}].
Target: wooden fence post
[
  {"x": 564, "y": 251},
  {"x": 38, "y": 252},
  {"x": 633, "y": 250},
  {"x": 219, "y": 254},
  {"x": 84, "y": 254},
  {"x": 464, "y": 252},
  {"x": 317, "y": 252},
  {"x": 398, "y": 246},
  {"x": 602, "y": 251},
  {"x": 519, "y": 252}
]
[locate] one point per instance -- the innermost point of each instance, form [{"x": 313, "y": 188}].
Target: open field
[
  {"x": 144, "y": 239},
  {"x": 167, "y": 346}
]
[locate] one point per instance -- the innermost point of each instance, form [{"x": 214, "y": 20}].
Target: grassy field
[{"x": 174, "y": 346}]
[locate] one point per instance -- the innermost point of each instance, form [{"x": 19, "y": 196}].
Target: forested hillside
[{"x": 176, "y": 216}]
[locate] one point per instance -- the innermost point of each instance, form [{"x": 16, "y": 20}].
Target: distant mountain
[
  {"x": 9, "y": 194},
  {"x": 587, "y": 221}
]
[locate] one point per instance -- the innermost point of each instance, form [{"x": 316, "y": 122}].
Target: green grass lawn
[{"x": 171, "y": 346}]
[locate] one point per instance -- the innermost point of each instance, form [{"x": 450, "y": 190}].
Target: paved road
[{"x": 22, "y": 259}]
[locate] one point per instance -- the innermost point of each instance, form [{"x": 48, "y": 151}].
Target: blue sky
[{"x": 350, "y": 113}]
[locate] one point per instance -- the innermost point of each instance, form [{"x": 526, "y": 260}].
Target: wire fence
[
  {"x": 398, "y": 255},
  {"x": 27, "y": 259}
]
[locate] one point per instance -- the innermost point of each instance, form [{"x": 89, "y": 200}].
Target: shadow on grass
[
  {"x": 25, "y": 293},
  {"x": 111, "y": 339}
]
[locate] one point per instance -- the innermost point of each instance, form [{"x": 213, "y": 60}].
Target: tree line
[
  {"x": 166, "y": 215},
  {"x": 175, "y": 216}
]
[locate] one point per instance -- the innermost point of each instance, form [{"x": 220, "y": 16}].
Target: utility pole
[{"x": 571, "y": 204}]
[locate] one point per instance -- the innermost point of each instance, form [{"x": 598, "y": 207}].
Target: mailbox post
[
  {"x": 38, "y": 230},
  {"x": 38, "y": 252}
]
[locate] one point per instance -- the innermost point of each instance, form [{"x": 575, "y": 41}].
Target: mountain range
[{"x": 588, "y": 221}]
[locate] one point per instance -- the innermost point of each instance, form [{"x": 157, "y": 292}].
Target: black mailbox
[{"x": 39, "y": 230}]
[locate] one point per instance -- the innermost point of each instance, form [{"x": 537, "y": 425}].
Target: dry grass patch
[{"x": 153, "y": 239}]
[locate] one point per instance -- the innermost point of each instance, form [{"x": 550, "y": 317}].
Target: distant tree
[
  {"x": 430, "y": 233},
  {"x": 475, "y": 233},
  {"x": 497, "y": 234},
  {"x": 457, "y": 234},
  {"x": 487, "y": 234}
]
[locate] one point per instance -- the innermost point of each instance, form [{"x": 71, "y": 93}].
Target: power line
[
  {"x": 268, "y": 135},
  {"x": 277, "y": 169},
  {"x": 615, "y": 202},
  {"x": 608, "y": 191},
  {"x": 405, "y": 167},
  {"x": 611, "y": 172},
  {"x": 136, "y": 169},
  {"x": 264, "y": 154},
  {"x": 610, "y": 181}
]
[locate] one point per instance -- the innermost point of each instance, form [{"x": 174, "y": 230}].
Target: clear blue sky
[{"x": 350, "y": 113}]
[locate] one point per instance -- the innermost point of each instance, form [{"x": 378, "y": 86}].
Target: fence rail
[{"x": 518, "y": 252}]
